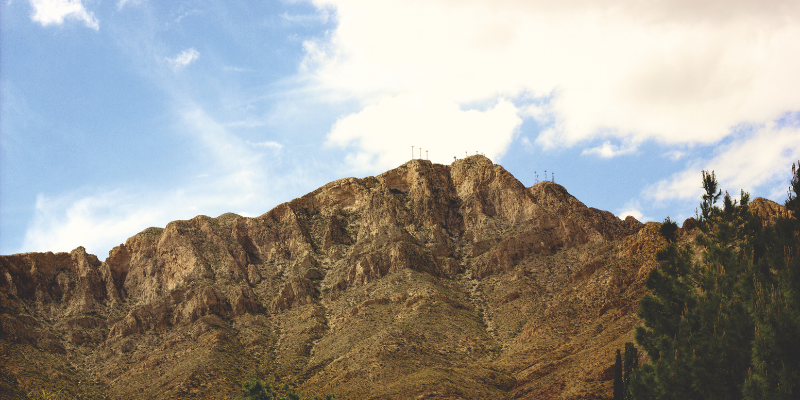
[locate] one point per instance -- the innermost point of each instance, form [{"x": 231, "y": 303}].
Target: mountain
[{"x": 427, "y": 281}]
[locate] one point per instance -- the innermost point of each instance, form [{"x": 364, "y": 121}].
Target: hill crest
[{"x": 427, "y": 280}]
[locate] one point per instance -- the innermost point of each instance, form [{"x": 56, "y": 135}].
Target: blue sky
[{"x": 120, "y": 115}]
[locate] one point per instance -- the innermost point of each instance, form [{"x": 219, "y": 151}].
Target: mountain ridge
[{"x": 445, "y": 281}]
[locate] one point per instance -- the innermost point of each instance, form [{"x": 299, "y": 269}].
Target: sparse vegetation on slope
[{"x": 257, "y": 389}]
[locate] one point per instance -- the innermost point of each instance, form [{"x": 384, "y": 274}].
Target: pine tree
[
  {"x": 619, "y": 388},
  {"x": 697, "y": 329},
  {"x": 725, "y": 326},
  {"x": 710, "y": 185},
  {"x": 775, "y": 372},
  {"x": 630, "y": 364},
  {"x": 669, "y": 230},
  {"x": 793, "y": 202}
]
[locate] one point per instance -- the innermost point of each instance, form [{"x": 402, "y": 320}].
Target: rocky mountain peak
[{"x": 378, "y": 287}]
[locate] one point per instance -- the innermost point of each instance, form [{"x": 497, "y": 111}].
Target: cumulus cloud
[
  {"x": 185, "y": 58},
  {"x": 54, "y": 12},
  {"x": 631, "y": 212},
  {"x": 384, "y": 132},
  {"x": 759, "y": 160},
  {"x": 670, "y": 71},
  {"x": 633, "y": 208}
]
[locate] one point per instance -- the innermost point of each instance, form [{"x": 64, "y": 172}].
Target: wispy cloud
[
  {"x": 64, "y": 222},
  {"x": 608, "y": 150},
  {"x": 188, "y": 13},
  {"x": 233, "y": 181},
  {"x": 759, "y": 160},
  {"x": 267, "y": 145},
  {"x": 185, "y": 58},
  {"x": 321, "y": 16},
  {"x": 236, "y": 69},
  {"x": 123, "y": 3},
  {"x": 675, "y": 155},
  {"x": 54, "y": 12}
]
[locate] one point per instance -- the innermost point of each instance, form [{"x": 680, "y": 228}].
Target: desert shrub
[{"x": 257, "y": 389}]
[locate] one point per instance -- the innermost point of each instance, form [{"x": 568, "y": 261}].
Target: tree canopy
[{"x": 722, "y": 316}]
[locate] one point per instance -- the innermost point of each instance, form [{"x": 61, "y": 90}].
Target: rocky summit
[{"x": 427, "y": 281}]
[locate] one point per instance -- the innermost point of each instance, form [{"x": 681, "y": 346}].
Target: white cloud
[
  {"x": 633, "y": 208},
  {"x": 633, "y": 213},
  {"x": 234, "y": 179},
  {"x": 761, "y": 159},
  {"x": 185, "y": 58},
  {"x": 236, "y": 69},
  {"x": 101, "y": 220},
  {"x": 188, "y": 13},
  {"x": 675, "y": 155},
  {"x": 267, "y": 145},
  {"x": 385, "y": 131},
  {"x": 322, "y": 16},
  {"x": 527, "y": 143},
  {"x": 608, "y": 150},
  {"x": 54, "y": 12},
  {"x": 123, "y": 3},
  {"x": 670, "y": 71}
]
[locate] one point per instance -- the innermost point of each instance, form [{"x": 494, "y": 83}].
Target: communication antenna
[
  {"x": 420, "y": 153},
  {"x": 552, "y": 177},
  {"x": 537, "y": 176},
  {"x": 426, "y": 154},
  {"x": 545, "y": 174}
]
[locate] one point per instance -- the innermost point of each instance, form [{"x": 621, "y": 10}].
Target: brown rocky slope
[{"x": 428, "y": 281}]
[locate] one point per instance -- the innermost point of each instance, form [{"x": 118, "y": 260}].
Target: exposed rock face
[
  {"x": 428, "y": 280},
  {"x": 768, "y": 210}
]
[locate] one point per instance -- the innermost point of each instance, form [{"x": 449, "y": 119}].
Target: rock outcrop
[{"x": 428, "y": 280}]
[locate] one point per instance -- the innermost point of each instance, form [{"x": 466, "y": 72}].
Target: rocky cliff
[{"x": 426, "y": 281}]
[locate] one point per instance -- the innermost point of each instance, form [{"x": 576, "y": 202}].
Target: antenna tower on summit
[{"x": 426, "y": 155}]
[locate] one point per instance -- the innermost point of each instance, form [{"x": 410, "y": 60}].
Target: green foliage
[
  {"x": 624, "y": 372},
  {"x": 256, "y": 389},
  {"x": 793, "y": 202},
  {"x": 619, "y": 388},
  {"x": 775, "y": 372},
  {"x": 724, "y": 325},
  {"x": 710, "y": 185},
  {"x": 668, "y": 230},
  {"x": 630, "y": 365}
]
